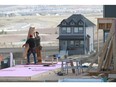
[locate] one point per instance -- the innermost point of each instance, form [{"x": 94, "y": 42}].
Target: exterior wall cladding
[
  {"x": 109, "y": 11},
  {"x": 90, "y": 32}
]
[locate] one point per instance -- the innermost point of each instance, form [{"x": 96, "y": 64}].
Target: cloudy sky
[{"x": 57, "y": 2}]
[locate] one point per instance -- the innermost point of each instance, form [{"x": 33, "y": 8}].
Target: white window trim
[
  {"x": 80, "y": 29},
  {"x": 77, "y": 43},
  {"x": 68, "y": 30},
  {"x": 77, "y": 30},
  {"x": 63, "y": 29},
  {"x": 72, "y": 42}
]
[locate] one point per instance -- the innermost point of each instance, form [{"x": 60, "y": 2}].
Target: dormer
[
  {"x": 63, "y": 22},
  {"x": 72, "y": 22},
  {"x": 80, "y": 23}
]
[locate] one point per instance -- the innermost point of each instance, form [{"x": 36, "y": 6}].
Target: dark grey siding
[{"x": 109, "y": 11}]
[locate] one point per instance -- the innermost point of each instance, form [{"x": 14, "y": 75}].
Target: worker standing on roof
[
  {"x": 38, "y": 47},
  {"x": 31, "y": 43}
]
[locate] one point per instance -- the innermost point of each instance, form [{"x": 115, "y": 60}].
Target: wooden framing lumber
[
  {"x": 31, "y": 31},
  {"x": 72, "y": 65},
  {"x": 114, "y": 48},
  {"x": 110, "y": 36},
  {"x": 113, "y": 76},
  {"x": 96, "y": 73},
  {"x": 108, "y": 64},
  {"x": 114, "y": 51},
  {"x": 95, "y": 59},
  {"x": 107, "y": 61},
  {"x": 102, "y": 51}
]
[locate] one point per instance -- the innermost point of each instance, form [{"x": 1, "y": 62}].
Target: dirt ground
[{"x": 46, "y": 25}]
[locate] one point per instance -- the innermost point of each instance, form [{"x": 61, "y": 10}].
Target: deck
[{"x": 26, "y": 72}]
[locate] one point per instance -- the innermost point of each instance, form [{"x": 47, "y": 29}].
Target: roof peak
[{"x": 76, "y": 14}]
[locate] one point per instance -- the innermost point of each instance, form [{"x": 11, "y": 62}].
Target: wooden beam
[
  {"x": 72, "y": 65},
  {"x": 107, "y": 61},
  {"x": 105, "y": 49},
  {"x": 108, "y": 64},
  {"x": 114, "y": 48},
  {"x": 31, "y": 31},
  {"x": 113, "y": 76},
  {"x": 97, "y": 37}
]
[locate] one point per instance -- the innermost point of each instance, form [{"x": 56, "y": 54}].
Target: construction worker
[
  {"x": 31, "y": 43},
  {"x": 1, "y": 57},
  {"x": 38, "y": 47}
]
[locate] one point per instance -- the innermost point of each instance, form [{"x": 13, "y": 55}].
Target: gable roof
[{"x": 76, "y": 18}]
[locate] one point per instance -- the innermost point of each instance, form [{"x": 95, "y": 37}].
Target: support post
[
  {"x": 114, "y": 46},
  {"x": 11, "y": 59},
  {"x": 98, "y": 40}
]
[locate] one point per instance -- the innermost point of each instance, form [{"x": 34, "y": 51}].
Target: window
[
  {"x": 81, "y": 29},
  {"x": 70, "y": 45},
  {"x": 81, "y": 43},
  {"x": 63, "y": 30},
  {"x": 68, "y": 30},
  {"x": 77, "y": 43},
  {"x": 106, "y": 35},
  {"x": 71, "y": 42},
  {"x": 76, "y": 30}
]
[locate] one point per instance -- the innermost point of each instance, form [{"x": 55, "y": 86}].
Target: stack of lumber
[
  {"x": 107, "y": 55},
  {"x": 31, "y": 32}
]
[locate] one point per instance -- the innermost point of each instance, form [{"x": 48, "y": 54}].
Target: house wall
[
  {"x": 90, "y": 32},
  {"x": 63, "y": 44},
  {"x": 74, "y": 49},
  {"x": 71, "y": 49},
  {"x": 78, "y": 51},
  {"x": 71, "y": 33}
]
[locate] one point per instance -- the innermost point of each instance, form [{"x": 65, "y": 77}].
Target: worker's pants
[
  {"x": 28, "y": 56},
  {"x": 38, "y": 51}
]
